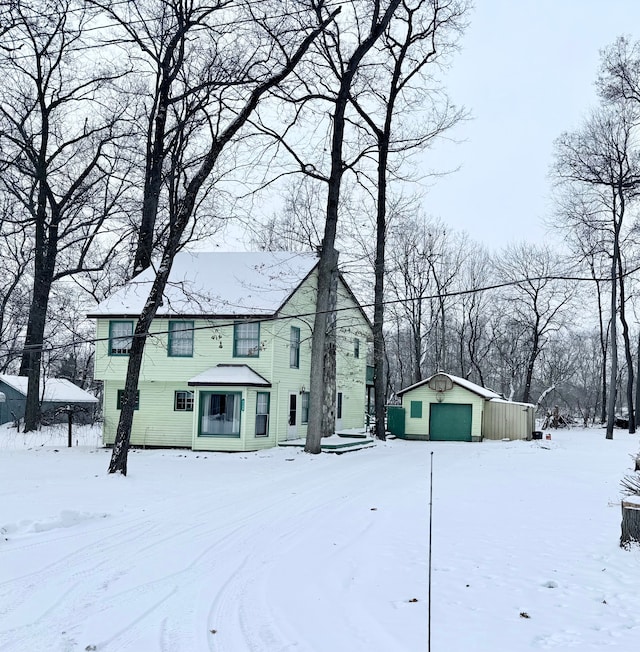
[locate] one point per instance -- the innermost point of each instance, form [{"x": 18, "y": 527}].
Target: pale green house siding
[
  {"x": 419, "y": 427},
  {"x": 156, "y": 423}
]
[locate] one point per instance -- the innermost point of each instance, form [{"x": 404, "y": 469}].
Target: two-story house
[{"x": 227, "y": 363}]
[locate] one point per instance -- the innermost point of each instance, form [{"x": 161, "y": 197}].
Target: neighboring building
[
  {"x": 55, "y": 393},
  {"x": 448, "y": 408},
  {"x": 227, "y": 365}
]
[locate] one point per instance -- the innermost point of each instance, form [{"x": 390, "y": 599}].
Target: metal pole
[
  {"x": 430, "y": 530},
  {"x": 69, "y": 434}
]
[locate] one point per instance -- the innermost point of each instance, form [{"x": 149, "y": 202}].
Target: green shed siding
[
  {"x": 419, "y": 427},
  {"x": 157, "y": 424}
]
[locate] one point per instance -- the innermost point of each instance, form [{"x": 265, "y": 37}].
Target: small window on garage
[{"x": 416, "y": 410}]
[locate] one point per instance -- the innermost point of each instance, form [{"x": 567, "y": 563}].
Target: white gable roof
[
  {"x": 461, "y": 382},
  {"x": 217, "y": 283},
  {"x": 56, "y": 390},
  {"x": 230, "y": 374}
]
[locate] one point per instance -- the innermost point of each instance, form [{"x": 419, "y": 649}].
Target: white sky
[{"x": 526, "y": 71}]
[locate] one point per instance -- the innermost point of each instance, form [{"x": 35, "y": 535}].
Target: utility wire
[{"x": 306, "y": 315}]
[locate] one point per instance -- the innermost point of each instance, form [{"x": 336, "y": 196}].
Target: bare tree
[
  {"x": 535, "y": 300},
  {"x": 344, "y": 62},
  {"x": 57, "y": 154},
  {"x": 599, "y": 163},
  {"x": 215, "y": 62},
  {"x": 16, "y": 251},
  {"x": 394, "y": 97}
]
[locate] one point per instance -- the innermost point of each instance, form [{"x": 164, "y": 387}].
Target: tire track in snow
[{"x": 240, "y": 605}]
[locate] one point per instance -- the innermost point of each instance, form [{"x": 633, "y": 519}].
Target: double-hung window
[
  {"x": 246, "y": 340},
  {"x": 183, "y": 401},
  {"x": 356, "y": 348},
  {"x": 294, "y": 348},
  {"x": 120, "y": 396},
  {"x": 180, "y": 339},
  {"x": 304, "y": 408},
  {"x": 120, "y": 337},
  {"x": 262, "y": 414}
]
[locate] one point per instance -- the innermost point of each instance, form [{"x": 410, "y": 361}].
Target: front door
[
  {"x": 292, "y": 431},
  {"x": 339, "y": 411}
]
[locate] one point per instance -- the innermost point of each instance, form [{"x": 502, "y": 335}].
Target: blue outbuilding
[{"x": 54, "y": 393}]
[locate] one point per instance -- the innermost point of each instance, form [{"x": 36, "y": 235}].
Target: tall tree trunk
[
  {"x": 329, "y": 399},
  {"x": 613, "y": 334},
  {"x": 535, "y": 350},
  {"x": 44, "y": 268},
  {"x": 627, "y": 350},
  {"x": 328, "y": 264},
  {"x": 638, "y": 377},
  {"x": 119, "y": 455},
  {"x": 378, "y": 293}
]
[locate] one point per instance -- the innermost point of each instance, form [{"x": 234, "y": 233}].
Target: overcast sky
[{"x": 526, "y": 71}]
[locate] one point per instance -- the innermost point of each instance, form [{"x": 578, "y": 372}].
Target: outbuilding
[
  {"x": 54, "y": 393},
  {"x": 449, "y": 408}
]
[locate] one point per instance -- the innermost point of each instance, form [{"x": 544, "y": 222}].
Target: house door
[
  {"x": 450, "y": 422},
  {"x": 292, "y": 430},
  {"x": 339, "y": 411}
]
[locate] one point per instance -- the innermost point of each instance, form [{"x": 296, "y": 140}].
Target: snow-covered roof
[
  {"x": 56, "y": 390},
  {"x": 504, "y": 400},
  {"x": 217, "y": 283},
  {"x": 461, "y": 382},
  {"x": 230, "y": 374}
]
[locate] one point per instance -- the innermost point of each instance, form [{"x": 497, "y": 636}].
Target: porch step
[{"x": 340, "y": 444}]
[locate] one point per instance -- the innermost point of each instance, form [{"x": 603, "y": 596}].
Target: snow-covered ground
[{"x": 280, "y": 551}]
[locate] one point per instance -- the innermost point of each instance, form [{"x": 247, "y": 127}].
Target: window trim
[
  {"x": 188, "y": 399},
  {"x": 236, "y": 339},
  {"x": 112, "y": 337},
  {"x": 294, "y": 348},
  {"x": 136, "y": 405},
  {"x": 265, "y": 414},
  {"x": 171, "y": 338}
]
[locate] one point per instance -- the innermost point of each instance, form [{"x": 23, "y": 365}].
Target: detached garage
[{"x": 449, "y": 408}]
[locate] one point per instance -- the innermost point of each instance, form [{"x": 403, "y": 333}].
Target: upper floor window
[
  {"x": 120, "y": 337},
  {"x": 180, "y": 339},
  {"x": 246, "y": 340},
  {"x": 294, "y": 348},
  {"x": 356, "y": 348}
]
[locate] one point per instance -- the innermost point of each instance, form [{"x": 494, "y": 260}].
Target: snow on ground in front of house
[{"x": 280, "y": 551}]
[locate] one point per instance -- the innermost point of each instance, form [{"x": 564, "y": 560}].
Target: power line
[{"x": 307, "y": 315}]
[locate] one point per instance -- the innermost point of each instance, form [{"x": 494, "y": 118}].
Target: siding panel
[{"x": 157, "y": 424}]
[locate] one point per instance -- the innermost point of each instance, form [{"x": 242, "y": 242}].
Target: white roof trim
[
  {"x": 229, "y": 374},
  {"x": 461, "y": 382}
]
